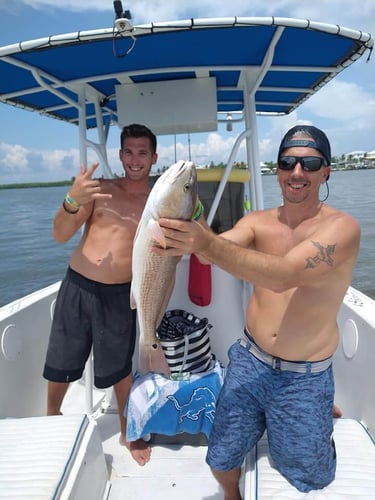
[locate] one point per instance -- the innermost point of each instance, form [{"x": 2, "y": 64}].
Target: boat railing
[{"x": 224, "y": 179}]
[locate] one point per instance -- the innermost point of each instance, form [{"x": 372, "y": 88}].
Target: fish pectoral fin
[
  {"x": 133, "y": 303},
  {"x": 155, "y": 232}
]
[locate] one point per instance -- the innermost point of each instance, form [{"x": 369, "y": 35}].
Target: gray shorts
[
  {"x": 91, "y": 315},
  {"x": 295, "y": 408}
]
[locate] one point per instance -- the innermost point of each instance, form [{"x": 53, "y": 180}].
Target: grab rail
[{"x": 224, "y": 179}]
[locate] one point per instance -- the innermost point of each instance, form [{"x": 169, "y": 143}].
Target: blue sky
[{"x": 33, "y": 148}]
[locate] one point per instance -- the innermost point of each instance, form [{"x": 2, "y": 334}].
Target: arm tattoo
[{"x": 323, "y": 255}]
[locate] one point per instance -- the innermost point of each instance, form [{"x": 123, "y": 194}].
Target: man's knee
[{"x": 306, "y": 478}]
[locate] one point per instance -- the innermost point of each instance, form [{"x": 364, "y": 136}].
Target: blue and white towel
[{"x": 160, "y": 405}]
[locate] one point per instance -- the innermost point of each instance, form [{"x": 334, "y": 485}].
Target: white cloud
[
  {"x": 349, "y": 111},
  {"x": 13, "y": 157},
  {"x": 20, "y": 164},
  {"x": 343, "y": 12},
  {"x": 344, "y": 101}
]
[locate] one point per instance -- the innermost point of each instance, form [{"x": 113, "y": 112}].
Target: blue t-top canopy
[{"x": 276, "y": 62}]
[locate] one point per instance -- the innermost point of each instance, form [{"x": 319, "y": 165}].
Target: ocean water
[{"x": 30, "y": 258}]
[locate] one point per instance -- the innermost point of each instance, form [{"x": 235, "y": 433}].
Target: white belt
[{"x": 282, "y": 364}]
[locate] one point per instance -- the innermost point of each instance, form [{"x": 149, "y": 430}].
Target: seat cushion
[
  {"x": 36, "y": 454},
  {"x": 355, "y": 473}
]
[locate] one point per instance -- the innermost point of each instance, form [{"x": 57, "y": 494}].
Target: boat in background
[
  {"x": 267, "y": 171},
  {"x": 205, "y": 71}
]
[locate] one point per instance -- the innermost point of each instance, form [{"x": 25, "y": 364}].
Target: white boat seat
[
  {"x": 51, "y": 458},
  {"x": 355, "y": 473}
]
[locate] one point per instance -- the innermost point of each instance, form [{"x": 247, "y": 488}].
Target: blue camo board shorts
[
  {"x": 89, "y": 315},
  {"x": 295, "y": 408}
]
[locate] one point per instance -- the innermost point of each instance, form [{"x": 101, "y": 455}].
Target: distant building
[
  {"x": 355, "y": 159},
  {"x": 369, "y": 159}
]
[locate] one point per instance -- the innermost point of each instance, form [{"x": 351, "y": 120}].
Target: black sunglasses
[{"x": 308, "y": 163}]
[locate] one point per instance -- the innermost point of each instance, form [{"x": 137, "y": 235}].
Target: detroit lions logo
[{"x": 202, "y": 400}]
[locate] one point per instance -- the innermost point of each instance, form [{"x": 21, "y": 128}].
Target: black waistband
[{"x": 96, "y": 286}]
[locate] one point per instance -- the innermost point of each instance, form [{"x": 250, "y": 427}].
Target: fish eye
[{"x": 186, "y": 187}]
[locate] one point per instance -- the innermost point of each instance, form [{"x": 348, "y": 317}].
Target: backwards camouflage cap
[{"x": 319, "y": 141}]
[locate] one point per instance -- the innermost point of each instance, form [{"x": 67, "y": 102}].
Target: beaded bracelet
[
  {"x": 198, "y": 211},
  {"x": 69, "y": 211},
  {"x": 69, "y": 200}
]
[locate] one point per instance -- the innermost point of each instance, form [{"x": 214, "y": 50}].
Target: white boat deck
[
  {"x": 174, "y": 471},
  {"x": 60, "y": 458},
  {"x": 179, "y": 471}
]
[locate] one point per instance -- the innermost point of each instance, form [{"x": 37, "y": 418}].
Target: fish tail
[{"x": 152, "y": 359}]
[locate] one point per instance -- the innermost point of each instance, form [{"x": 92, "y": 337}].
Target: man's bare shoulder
[
  {"x": 340, "y": 220},
  {"x": 265, "y": 214},
  {"x": 259, "y": 217},
  {"x": 109, "y": 185},
  {"x": 120, "y": 187},
  {"x": 245, "y": 230},
  {"x": 262, "y": 220}
]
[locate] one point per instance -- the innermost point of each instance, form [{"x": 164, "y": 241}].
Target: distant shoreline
[
  {"x": 36, "y": 184},
  {"x": 69, "y": 183}
]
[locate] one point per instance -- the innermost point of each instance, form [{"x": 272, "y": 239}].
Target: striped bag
[{"x": 185, "y": 341}]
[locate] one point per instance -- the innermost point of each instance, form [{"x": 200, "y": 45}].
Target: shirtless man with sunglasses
[{"x": 300, "y": 258}]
